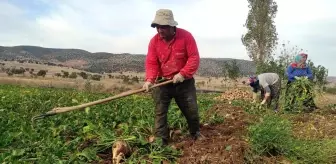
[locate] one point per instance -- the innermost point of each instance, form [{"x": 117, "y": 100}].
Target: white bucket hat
[{"x": 164, "y": 17}]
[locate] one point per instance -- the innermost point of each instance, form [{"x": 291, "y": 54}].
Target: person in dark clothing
[{"x": 172, "y": 54}]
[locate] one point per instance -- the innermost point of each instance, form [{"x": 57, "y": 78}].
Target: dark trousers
[
  {"x": 275, "y": 94},
  {"x": 184, "y": 95}
]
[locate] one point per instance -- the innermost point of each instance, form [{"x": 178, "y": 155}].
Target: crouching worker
[
  {"x": 172, "y": 54},
  {"x": 269, "y": 85}
]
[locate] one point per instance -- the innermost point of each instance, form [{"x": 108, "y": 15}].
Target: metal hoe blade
[{"x": 42, "y": 116}]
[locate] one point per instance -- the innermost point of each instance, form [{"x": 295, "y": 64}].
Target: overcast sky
[{"x": 124, "y": 25}]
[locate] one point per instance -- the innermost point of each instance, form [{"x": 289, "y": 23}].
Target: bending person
[{"x": 269, "y": 85}]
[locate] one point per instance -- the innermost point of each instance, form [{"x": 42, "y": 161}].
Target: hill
[
  {"x": 107, "y": 62},
  {"x": 331, "y": 79}
]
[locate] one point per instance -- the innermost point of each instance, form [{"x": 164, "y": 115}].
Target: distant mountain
[
  {"x": 331, "y": 79},
  {"x": 107, "y": 62}
]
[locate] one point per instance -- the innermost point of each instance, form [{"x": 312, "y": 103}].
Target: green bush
[
  {"x": 313, "y": 151},
  {"x": 73, "y": 75},
  {"x": 299, "y": 95},
  {"x": 272, "y": 136}
]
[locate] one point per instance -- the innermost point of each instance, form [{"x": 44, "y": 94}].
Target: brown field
[
  {"x": 106, "y": 84},
  {"x": 51, "y": 69}
]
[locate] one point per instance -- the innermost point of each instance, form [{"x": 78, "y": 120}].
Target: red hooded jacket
[{"x": 180, "y": 55}]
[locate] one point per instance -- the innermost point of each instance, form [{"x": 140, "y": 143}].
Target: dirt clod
[{"x": 120, "y": 149}]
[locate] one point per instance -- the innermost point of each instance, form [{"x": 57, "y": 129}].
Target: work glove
[
  {"x": 146, "y": 85},
  {"x": 178, "y": 78},
  {"x": 263, "y": 102},
  {"x": 296, "y": 77}
]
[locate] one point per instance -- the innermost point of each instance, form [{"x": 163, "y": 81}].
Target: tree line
[{"x": 261, "y": 41}]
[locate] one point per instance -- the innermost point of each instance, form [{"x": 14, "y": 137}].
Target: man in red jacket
[{"x": 172, "y": 54}]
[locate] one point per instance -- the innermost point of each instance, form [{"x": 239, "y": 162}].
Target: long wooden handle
[{"x": 124, "y": 94}]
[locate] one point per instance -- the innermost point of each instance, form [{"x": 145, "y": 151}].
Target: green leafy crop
[
  {"x": 299, "y": 95},
  {"x": 80, "y": 136}
]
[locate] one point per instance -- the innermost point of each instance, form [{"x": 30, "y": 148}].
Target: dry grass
[
  {"x": 325, "y": 99},
  {"x": 106, "y": 84},
  {"x": 315, "y": 126},
  {"x": 318, "y": 125},
  {"x": 80, "y": 84},
  {"x": 51, "y": 69}
]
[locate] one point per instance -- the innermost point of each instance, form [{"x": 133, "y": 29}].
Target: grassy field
[
  {"x": 80, "y": 135},
  {"x": 235, "y": 132}
]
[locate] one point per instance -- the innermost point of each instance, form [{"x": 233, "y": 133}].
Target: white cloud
[
  {"x": 124, "y": 26},
  {"x": 304, "y": 11}
]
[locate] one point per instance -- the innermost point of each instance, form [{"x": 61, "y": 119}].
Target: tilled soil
[{"x": 222, "y": 143}]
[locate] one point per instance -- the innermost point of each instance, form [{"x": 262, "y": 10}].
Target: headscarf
[
  {"x": 254, "y": 83},
  {"x": 297, "y": 60},
  {"x": 252, "y": 78}
]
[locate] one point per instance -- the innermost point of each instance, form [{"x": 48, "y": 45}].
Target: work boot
[
  {"x": 276, "y": 109},
  {"x": 312, "y": 108},
  {"x": 197, "y": 136},
  {"x": 164, "y": 142}
]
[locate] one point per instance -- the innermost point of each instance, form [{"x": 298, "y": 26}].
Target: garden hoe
[{"x": 68, "y": 109}]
